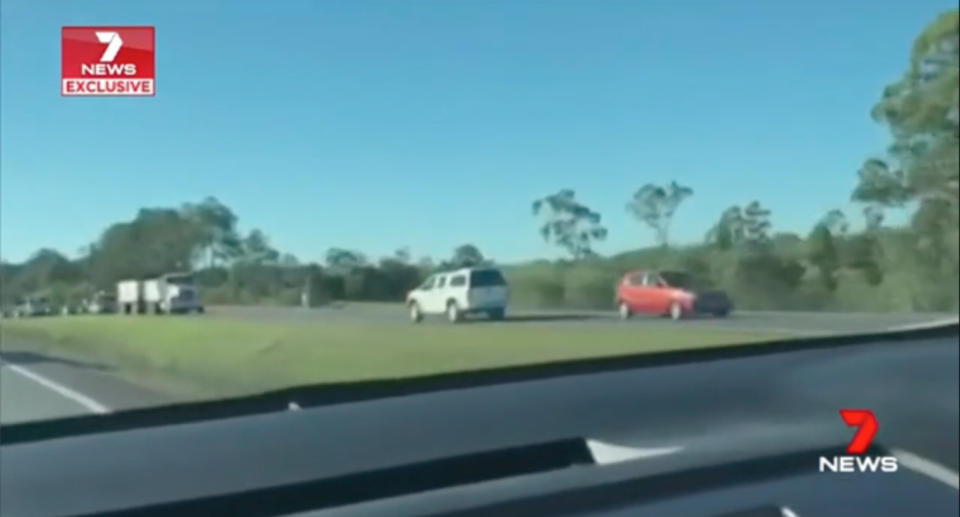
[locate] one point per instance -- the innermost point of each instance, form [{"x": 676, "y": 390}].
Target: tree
[
  {"x": 824, "y": 253},
  {"x": 157, "y": 241},
  {"x": 217, "y": 225},
  {"x": 921, "y": 166},
  {"x": 43, "y": 269},
  {"x": 569, "y": 224},
  {"x": 343, "y": 260},
  {"x": 426, "y": 263},
  {"x": 256, "y": 249},
  {"x": 873, "y": 217},
  {"x": 399, "y": 276},
  {"x": 749, "y": 225},
  {"x": 289, "y": 260},
  {"x": 756, "y": 224},
  {"x": 655, "y": 206},
  {"x": 402, "y": 254},
  {"x": 728, "y": 230},
  {"x": 466, "y": 255}
]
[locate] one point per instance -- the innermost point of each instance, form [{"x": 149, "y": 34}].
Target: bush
[
  {"x": 589, "y": 288},
  {"x": 536, "y": 286}
]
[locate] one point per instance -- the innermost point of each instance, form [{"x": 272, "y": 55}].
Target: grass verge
[{"x": 231, "y": 357}]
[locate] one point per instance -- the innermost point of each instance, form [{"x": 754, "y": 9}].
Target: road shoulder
[{"x": 42, "y": 383}]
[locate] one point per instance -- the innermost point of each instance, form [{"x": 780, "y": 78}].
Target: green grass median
[{"x": 226, "y": 356}]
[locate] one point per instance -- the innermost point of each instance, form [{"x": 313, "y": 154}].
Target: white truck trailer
[{"x": 166, "y": 294}]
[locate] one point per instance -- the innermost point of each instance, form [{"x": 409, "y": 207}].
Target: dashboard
[{"x": 691, "y": 435}]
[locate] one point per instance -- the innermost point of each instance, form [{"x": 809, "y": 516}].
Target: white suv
[{"x": 460, "y": 292}]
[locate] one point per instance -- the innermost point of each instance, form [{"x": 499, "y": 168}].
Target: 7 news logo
[
  {"x": 107, "y": 61},
  {"x": 855, "y": 460}
]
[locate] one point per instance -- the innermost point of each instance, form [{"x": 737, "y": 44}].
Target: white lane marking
[
  {"x": 927, "y": 467},
  {"x": 787, "y": 512},
  {"x": 927, "y": 324},
  {"x": 606, "y": 453},
  {"x": 64, "y": 391}
]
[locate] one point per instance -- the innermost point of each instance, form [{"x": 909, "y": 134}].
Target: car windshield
[
  {"x": 266, "y": 196},
  {"x": 179, "y": 279}
]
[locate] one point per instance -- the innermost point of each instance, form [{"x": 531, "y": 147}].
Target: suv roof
[{"x": 467, "y": 270}]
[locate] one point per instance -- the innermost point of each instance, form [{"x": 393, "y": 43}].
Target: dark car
[{"x": 670, "y": 293}]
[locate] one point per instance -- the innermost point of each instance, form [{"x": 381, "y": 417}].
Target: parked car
[
  {"x": 460, "y": 292},
  {"x": 669, "y": 293},
  {"x": 101, "y": 303},
  {"x": 33, "y": 306}
]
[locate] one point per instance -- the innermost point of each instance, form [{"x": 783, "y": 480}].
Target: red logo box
[{"x": 103, "y": 61}]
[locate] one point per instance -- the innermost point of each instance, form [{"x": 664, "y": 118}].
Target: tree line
[{"x": 912, "y": 267}]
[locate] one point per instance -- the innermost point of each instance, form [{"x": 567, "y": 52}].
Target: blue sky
[{"x": 379, "y": 124}]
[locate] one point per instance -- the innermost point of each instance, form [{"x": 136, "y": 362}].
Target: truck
[{"x": 166, "y": 294}]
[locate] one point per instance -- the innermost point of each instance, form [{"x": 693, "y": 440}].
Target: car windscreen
[
  {"x": 179, "y": 279},
  {"x": 486, "y": 278}
]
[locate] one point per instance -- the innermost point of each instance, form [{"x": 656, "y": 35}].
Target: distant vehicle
[
  {"x": 166, "y": 294},
  {"x": 101, "y": 303},
  {"x": 460, "y": 292},
  {"x": 669, "y": 293},
  {"x": 67, "y": 309},
  {"x": 32, "y": 306}
]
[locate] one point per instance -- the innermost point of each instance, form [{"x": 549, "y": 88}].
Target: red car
[{"x": 667, "y": 293}]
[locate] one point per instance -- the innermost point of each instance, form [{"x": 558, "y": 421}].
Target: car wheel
[
  {"x": 453, "y": 312},
  {"x": 676, "y": 311},
  {"x": 624, "y": 310},
  {"x": 416, "y": 315}
]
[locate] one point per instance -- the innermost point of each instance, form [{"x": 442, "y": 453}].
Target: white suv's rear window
[{"x": 486, "y": 278}]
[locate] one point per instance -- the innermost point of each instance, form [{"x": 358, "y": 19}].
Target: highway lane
[
  {"x": 22, "y": 399},
  {"x": 36, "y": 386},
  {"x": 789, "y": 398},
  {"x": 806, "y": 323}
]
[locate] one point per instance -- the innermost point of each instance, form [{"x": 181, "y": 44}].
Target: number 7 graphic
[
  {"x": 866, "y": 425},
  {"x": 113, "y": 41}
]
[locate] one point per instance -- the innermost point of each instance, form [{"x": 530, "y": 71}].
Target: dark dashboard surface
[{"x": 522, "y": 443}]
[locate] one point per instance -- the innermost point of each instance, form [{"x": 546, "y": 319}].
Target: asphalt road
[
  {"x": 35, "y": 386},
  {"x": 789, "y": 398},
  {"x": 807, "y": 323}
]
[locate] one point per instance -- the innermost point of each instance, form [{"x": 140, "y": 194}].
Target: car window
[
  {"x": 428, "y": 284},
  {"x": 458, "y": 281},
  {"x": 441, "y": 281},
  {"x": 486, "y": 278},
  {"x": 635, "y": 279},
  {"x": 651, "y": 280}
]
